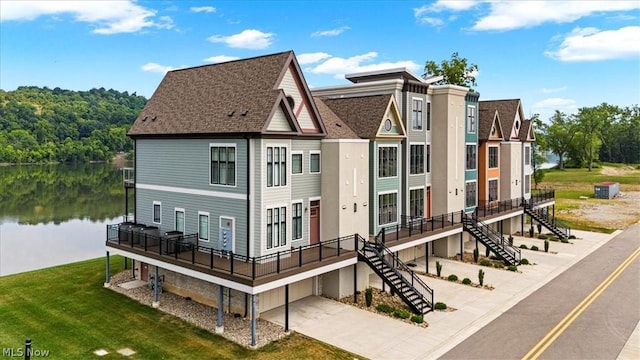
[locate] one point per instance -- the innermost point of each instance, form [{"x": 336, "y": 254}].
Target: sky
[{"x": 553, "y": 55}]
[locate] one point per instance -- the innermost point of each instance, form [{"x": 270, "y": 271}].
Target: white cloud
[
  {"x": 247, "y": 39},
  {"x": 553, "y": 90},
  {"x": 338, "y": 66},
  {"x": 509, "y": 15},
  {"x": 423, "y": 13},
  {"x": 591, "y": 44},
  {"x": 154, "y": 67},
  {"x": 108, "y": 17},
  {"x": 205, "y": 9},
  {"x": 332, "y": 32},
  {"x": 221, "y": 58},
  {"x": 556, "y": 104},
  {"x": 310, "y": 58}
]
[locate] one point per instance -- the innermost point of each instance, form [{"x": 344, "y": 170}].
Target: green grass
[
  {"x": 66, "y": 310},
  {"x": 589, "y": 178}
]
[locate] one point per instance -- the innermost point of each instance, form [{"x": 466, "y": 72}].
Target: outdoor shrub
[
  {"x": 498, "y": 266},
  {"x": 401, "y": 313},
  {"x": 542, "y": 236},
  {"x": 385, "y": 308},
  {"x": 453, "y": 277},
  {"x": 539, "y": 228},
  {"x": 466, "y": 281},
  {"x": 485, "y": 262},
  {"x": 487, "y": 251},
  {"x": 476, "y": 255},
  {"x": 531, "y": 231},
  {"x": 418, "y": 319},
  {"x": 565, "y": 241},
  {"x": 368, "y": 296},
  {"x": 441, "y": 306},
  {"x": 513, "y": 268},
  {"x": 481, "y": 277},
  {"x": 438, "y": 268},
  {"x": 524, "y": 262},
  {"x": 510, "y": 238},
  {"x": 534, "y": 248},
  {"x": 572, "y": 237},
  {"x": 523, "y": 246},
  {"x": 546, "y": 246}
]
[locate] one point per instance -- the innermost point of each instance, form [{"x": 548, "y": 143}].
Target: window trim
[
  {"x": 497, "y": 180},
  {"x": 184, "y": 219},
  {"x": 527, "y": 159},
  {"x": 475, "y": 165},
  {"x": 279, "y": 164},
  {"x": 414, "y": 112},
  {"x": 319, "y": 153},
  {"x": 466, "y": 183},
  {"x": 527, "y": 183},
  {"x": 301, "y": 153},
  {"x": 411, "y": 159},
  {"x": 280, "y": 246},
  {"x": 153, "y": 212},
  {"x": 489, "y": 156},
  {"x": 381, "y": 193},
  {"x": 427, "y": 158},
  {"x": 200, "y": 238},
  {"x": 414, "y": 188},
  {"x": 293, "y": 220},
  {"x": 378, "y": 160},
  {"x": 235, "y": 167},
  {"x": 428, "y": 116},
  {"x": 472, "y": 129}
]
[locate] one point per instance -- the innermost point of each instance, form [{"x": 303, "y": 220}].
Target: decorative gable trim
[
  {"x": 391, "y": 125},
  {"x": 274, "y": 125},
  {"x": 497, "y": 126}
]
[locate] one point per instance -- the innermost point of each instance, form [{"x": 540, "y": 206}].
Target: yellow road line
[{"x": 552, "y": 335}]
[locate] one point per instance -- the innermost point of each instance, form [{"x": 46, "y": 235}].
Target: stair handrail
[
  {"x": 560, "y": 226},
  {"x": 416, "y": 282},
  {"x": 495, "y": 237}
]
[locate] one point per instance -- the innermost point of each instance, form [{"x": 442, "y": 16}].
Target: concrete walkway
[{"x": 380, "y": 337}]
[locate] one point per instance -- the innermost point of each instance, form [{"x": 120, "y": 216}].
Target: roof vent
[
  {"x": 338, "y": 125},
  {"x": 145, "y": 118},
  {"x": 154, "y": 118},
  {"x": 244, "y": 112},
  {"x": 230, "y": 113}
]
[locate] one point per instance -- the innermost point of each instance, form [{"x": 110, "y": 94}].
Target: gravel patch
[{"x": 236, "y": 329}]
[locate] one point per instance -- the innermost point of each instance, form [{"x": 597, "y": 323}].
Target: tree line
[
  {"x": 606, "y": 133},
  {"x": 43, "y": 125}
]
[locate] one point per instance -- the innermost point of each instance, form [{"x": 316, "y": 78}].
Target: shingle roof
[
  {"x": 507, "y": 110},
  {"x": 524, "y": 130},
  {"x": 199, "y": 100},
  {"x": 485, "y": 121},
  {"x": 336, "y": 128},
  {"x": 363, "y": 114}
]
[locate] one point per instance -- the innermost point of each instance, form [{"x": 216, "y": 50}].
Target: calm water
[{"x": 56, "y": 214}]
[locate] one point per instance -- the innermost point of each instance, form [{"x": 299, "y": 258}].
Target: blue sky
[{"x": 551, "y": 54}]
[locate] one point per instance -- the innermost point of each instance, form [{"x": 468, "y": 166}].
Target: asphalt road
[{"x": 600, "y": 320}]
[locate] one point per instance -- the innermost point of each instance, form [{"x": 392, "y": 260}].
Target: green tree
[
  {"x": 559, "y": 135},
  {"x": 456, "y": 71},
  {"x": 591, "y": 122}
]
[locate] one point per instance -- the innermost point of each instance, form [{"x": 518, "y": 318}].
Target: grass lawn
[{"x": 66, "y": 310}]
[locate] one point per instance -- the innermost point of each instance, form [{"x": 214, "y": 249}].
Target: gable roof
[
  {"x": 363, "y": 114},
  {"x": 336, "y": 128},
  {"x": 486, "y": 118},
  {"x": 226, "y": 98},
  {"x": 526, "y": 131},
  {"x": 507, "y": 110}
]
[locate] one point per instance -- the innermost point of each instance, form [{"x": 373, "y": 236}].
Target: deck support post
[
  {"x": 107, "y": 276},
  {"x": 461, "y": 249},
  {"x": 133, "y": 268},
  {"x": 219, "y": 326},
  {"x": 522, "y": 224},
  {"x": 253, "y": 320},
  {"x": 426, "y": 257},
  {"x": 156, "y": 295},
  {"x": 553, "y": 211},
  {"x": 355, "y": 283},
  {"x": 125, "y": 263},
  {"x": 286, "y": 308}
]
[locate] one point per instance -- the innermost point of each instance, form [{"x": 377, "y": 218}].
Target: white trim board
[{"x": 181, "y": 190}]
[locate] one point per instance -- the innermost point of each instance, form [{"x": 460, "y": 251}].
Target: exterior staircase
[
  {"x": 553, "y": 225},
  {"x": 398, "y": 276},
  {"x": 491, "y": 239}
]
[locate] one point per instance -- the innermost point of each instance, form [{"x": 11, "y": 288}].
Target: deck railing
[{"x": 489, "y": 208}]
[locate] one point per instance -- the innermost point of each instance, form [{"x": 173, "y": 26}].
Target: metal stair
[
  {"x": 553, "y": 225},
  {"x": 398, "y": 276},
  {"x": 491, "y": 239}
]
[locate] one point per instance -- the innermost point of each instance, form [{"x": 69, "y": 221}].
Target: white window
[
  {"x": 527, "y": 184},
  {"x": 203, "y": 226},
  {"x": 428, "y": 116},
  {"x": 527, "y": 155},
  {"x": 276, "y": 227},
  {"x": 471, "y": 156},
  {"x": 417, "y": 114},
  {"x": 179, "y": 219},
  {"x": 157, "y": 212},
  {"x": 314, "y": 162},
  {"x": 493, "y": 157},
  {"x": 296, "y": 224},
  {"x": 416, "y": 161},
  {"x": 470, "y": 191},
  {"x": 223, "y": 165},
  {"x": 387, "y": 161},
  {"x": 493, "y": 190},
  {"x": 427, "y": 156},
  {"x": 296, "y": 162},
  {"x": 276, "y": 166},
  {"x": 387, "y": 208},
  {"x": 471, "y": 119},
  {"x": 416, "y": 202}
]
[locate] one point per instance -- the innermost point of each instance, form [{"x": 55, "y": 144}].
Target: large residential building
[{"x": 251, "y": 191}]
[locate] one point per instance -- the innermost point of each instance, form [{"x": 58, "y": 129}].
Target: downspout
[
  {"x": 248, "y": 196},
  {"x": 135, "y": 180}
]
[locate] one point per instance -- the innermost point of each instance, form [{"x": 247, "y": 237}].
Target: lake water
[{"x": 56, "y": 214}]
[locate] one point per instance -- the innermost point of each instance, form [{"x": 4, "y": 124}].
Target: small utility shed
[{"x": 606, "y": 190}]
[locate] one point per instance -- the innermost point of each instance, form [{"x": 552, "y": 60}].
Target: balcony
[
  {"x": 185, "y": 251},
  {"x": 411, "y": 228}
]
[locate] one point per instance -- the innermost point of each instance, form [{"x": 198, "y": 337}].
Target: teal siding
[
  {"x": 305, "y": 185},
  {"x": 472, "y": 137}
]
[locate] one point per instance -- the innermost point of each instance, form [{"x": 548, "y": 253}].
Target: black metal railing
[
  {"x": 542, "y": 196},
  {"x": 557, "y": 226},
  {"x": 494, "y": 238},
  {"x": 188, "y": 249},
  {"x": 413, "y": 225},
  {"x": 489, "y": 208}
]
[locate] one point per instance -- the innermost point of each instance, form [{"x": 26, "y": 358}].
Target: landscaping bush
[
  {"x": 438, "y": 268},
  {"x": 524, "y": 262},
  {"x": 546, "y": 246},
  {"x": 565, "y": 241},
  {"x": 418, "y": 319},
  {"x": 531, "y": 231},
  {"x": 485, "y": 262},
  {"x": 513, "y": 268},
  {"x": 401, "y": 313},
  {"x": 487, "y": 251},
  {"x": 510, "y": 238},
  {"x": 542, "y": 236},
  {"x": 385, "y": 308},
  {"x": 440, "y": 306},
  {"x": 534, "y": 248},
  {"x": 476, "y": 255},
  {"x": 572, "y": 237},
  {"x": 539, "y": 228},
  {"x": 481, "y": 277},
  {"x": 368, "y": 296},
  {"x": 453, "y": 277},
  {"x": 466, "y": 281},
  {"x": 498, "y": 266},
  {"x": 523, "y": 246}
]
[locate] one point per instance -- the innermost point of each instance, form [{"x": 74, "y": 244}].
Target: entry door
[
  {"x": 427, "y": 203},
  {"x": 314, "y": 222},
  {"x": 226, "y": 234},
  {"x": 144, "y": 271}
]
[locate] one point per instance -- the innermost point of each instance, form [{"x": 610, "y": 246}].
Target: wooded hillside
[{"x": 57, "y": 125}]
